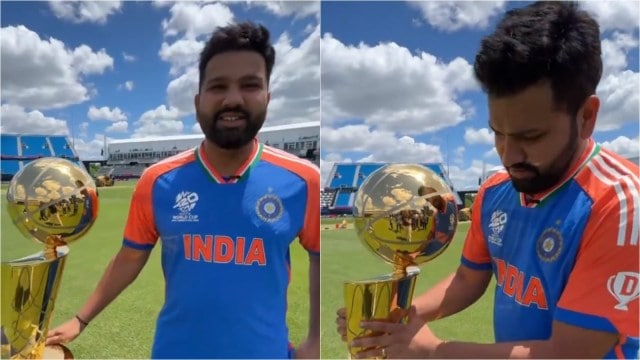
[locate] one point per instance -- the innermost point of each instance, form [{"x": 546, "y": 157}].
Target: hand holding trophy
[
  {"x": 406, "y": 214},
  {"x": 54, "y": 202}
]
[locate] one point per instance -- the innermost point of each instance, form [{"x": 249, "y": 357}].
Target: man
[
  {"x": 226, "y": 213},
  {"x": 558, "y": 228}
]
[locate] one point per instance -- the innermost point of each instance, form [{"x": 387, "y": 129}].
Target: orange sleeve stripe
[
  {"x": 605, "y": 175},
  {"x": 141, "y": 227},
  {"x": 475, "y": 245},
  {"x": 310, "y": 233}
]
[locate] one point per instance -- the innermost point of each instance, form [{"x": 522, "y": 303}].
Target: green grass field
[
  {"x": 125, "y": 329},
  {"x": 345, "y": 258}
]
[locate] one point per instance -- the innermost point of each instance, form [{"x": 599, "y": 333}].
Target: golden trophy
[
  {"x": 407, "y": 215},
  {"x": 54, "y": 202}
]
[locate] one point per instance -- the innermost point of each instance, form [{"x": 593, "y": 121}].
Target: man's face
[
  {"x": 536, "y": 141},
  {"x": 232, "y": 104}
]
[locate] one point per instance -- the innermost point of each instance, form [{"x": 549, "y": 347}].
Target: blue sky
[
  {"x": 415, "y": 99},
  {"x": 129, "y": 69}
]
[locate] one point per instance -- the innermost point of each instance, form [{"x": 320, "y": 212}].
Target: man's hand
[
  {"x": 65, "y": 333},
  {"x": 308, "y": 349},
  {"x": 411, "y": 340},
  {"x": 341, "y": 322}
]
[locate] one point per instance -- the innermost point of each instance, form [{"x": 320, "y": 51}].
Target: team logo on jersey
[
  {"x": 269, "y": 207},
  {"x": 549, "y": 244},
  {"x": 624, "y": 288},
  {"x": 496, "y": 225},
  {"x": 185, "y": 202}
]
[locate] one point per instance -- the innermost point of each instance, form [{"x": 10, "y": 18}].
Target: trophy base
[
  {"x": 385, "y": 298},
  {"x": 57, "y": 352}
]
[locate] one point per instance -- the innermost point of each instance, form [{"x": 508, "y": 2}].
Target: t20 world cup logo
[{"x": 624, "y": 286}]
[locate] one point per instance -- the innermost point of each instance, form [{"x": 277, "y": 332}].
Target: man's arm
[
  {"x": 121, "y": 271},
  {"x": 453, "y": 294},
  {"x": 567, "y": 341},
  {"x": 310, "y": 348}
]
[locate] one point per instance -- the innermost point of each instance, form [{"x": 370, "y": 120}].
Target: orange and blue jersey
[
  {"x": 225, "y": 249},
  {"x": 569, "y": 254}
]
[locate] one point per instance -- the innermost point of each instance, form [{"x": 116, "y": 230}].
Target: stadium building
[{"x": 123, "y": 159}]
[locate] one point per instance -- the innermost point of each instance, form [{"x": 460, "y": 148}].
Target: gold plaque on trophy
[
  {"x": 407, "y": 215},
  {"x": 54, "y": 202}
]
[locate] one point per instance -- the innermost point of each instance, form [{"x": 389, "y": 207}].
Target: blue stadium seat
[
  {"x": 61, "y": 147},
  {"x": 35, "y": 146},
  {"x": 343, "y": 175},
  {"x": 9, "y": 145}
]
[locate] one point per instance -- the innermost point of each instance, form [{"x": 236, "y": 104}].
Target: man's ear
[{"x": 587, "y": 116}]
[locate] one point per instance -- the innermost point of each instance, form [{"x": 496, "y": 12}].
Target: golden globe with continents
[
  {"x": 53, "y": 202},
  {"x": 406, "y": 214}
]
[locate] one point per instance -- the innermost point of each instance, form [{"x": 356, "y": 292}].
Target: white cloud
[
  {"x": 465, "y": 178},
  {"x": 295, "y": 81},
  {"x": 624, "y": 146},
  {"x": 397, "y": 90},
  {"x": 480, "y": 136},
  {"x": 119, "y": 126},
  {"x": 85, "y": 11},
  {"x": 195, "y": 129},
  {"x": 180, "y": 91},
  {"x": 89, "y": 150},
  {"x": 128, "y": 85},
  {"x": 159, "y": 122},
  {"x": 181, "y": 54},
  {"x": 84, "y": 128},
  {"x": 298, "y": 9},
  {"x": 615, "y": 50},
  {"x": 380, "y": 145},
  {"x": 45, "y": 74},
  {"x": 458, "y": 155},
  {"x": 15, "y": 120},
  {"x": 456, "y": 15},
  {"x": 621, "y": 15},
  {"x": 194, "y": 19},
  {"x": 104, "y": 113},
  {"x": 128, "y": 57},
  {"x": 493, "y": 153},
  {"x": 619, "y": 100}
]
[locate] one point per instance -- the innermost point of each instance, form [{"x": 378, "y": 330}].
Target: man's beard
[
  {"x": 550, "y": 178},
  {"x": 231, "y": 138}
]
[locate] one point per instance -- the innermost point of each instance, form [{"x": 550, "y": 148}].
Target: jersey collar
[
  {"x": 535, "y": 200},
  {"x": 240, "y": 173}
]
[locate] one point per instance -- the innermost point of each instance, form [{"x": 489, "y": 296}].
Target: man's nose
[
  {"x": 512, "y": 152},
  {"x": 233, "y": 97}
]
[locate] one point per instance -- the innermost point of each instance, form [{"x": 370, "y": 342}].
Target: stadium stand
[
  {"x": 345, "y": 178},
  {"x": 19, "y": 150}
]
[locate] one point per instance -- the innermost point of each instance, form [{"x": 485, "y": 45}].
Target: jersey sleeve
[
  {"x": 475, "y": 253},
  {"x": 140, "y": 231},
  {"x": 602, "y": 290},
  {"x": 310, "y": 233}
]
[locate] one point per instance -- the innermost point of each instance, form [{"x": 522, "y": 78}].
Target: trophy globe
[
  {"x": 54, "y": 202},
  {"x": 406, "y": 214}
]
